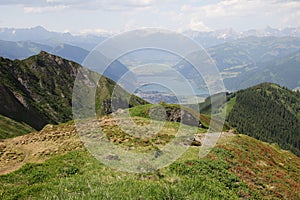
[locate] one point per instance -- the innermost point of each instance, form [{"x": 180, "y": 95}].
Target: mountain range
[
  {"x": 249, "y": 61},
  {"x": 40, "y": 35},
  {"x": 243, "y": 58},
  {"x": 253, "y": 60},
  {"x": 283, "y": 71},
  {"x": 213, "y": 38}
]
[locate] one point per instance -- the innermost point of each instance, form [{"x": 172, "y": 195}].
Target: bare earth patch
[{"x": 37, "y": 146}]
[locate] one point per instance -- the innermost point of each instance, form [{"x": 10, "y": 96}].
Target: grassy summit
[{"x": 239, "y": 167}]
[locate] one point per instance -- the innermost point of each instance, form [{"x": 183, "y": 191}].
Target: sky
[{"x": 111, "y": 16}]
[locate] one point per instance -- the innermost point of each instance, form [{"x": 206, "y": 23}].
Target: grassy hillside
[
  {"x": 239, "y": 167},
  {"x": 270, "y": 113},
  {"x": 10, "y": 128},
  {"x": 265, "y": 168}
]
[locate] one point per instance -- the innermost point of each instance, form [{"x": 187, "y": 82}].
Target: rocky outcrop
[
  {"x": 183, "y": 116},
  {"x": 176, "y": 114}
]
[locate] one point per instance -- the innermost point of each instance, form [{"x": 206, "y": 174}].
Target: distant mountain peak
[
  {"x": 44, "y": 53},
  {"x": 39, "y": 28}
]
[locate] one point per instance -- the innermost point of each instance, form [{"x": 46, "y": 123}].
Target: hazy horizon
[
  {"x": 102, "y": 16},
  {"x": 105, "y": 33}
]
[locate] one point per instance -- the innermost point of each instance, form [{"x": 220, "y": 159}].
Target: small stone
[
  {"x": 196, "y": 143},
  {"x": 112, "y": 157}
]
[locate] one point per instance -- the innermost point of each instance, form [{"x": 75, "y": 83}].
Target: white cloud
[
  {"x": 110, "y": 5},
  {"x": 140, "y": 2},
  {"x": 95, "y": 31},
  {"x": 179, "y": 15},
  {"x": 278, "y": 13},
  {"x": 197, "y": 25},
  {"x": 66, "y": 31},
  {"x": 130, "y": 25},
  {"x": 117, "y": 5},
  {"x": 226, "y": 8},
  {"x": 20, "y": 2},
  {"x": 54, "y": 1},
  {"x": 45, "y": 9}
]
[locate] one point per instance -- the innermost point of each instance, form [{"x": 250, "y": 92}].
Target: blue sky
[{"x": 95, "y": 16}]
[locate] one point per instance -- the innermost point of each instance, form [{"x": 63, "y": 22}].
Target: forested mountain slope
[{"x": 269, "y": 113}]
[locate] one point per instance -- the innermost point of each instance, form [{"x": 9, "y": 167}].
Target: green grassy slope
[
  {"x": 239, "y": 167},
  {"x": 265, "y": 168},
  {"x": 10, "y": 128},
  {"x": 77, "y": 175}
]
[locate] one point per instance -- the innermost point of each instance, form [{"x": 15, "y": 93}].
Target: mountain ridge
[
  {"x": 38, "y": 90},
  {"x": 88, "y": 42}
]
